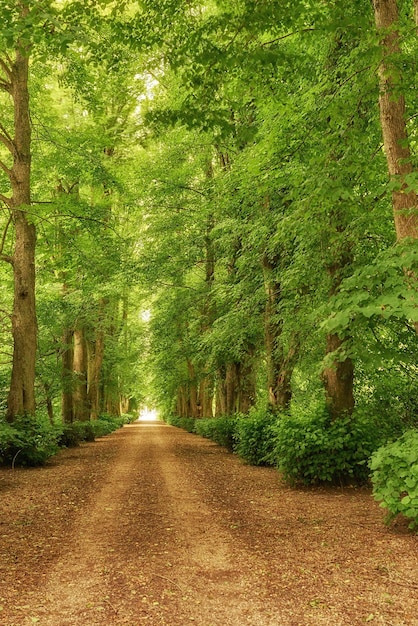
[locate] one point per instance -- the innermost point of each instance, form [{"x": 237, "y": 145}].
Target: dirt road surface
[{"x": 155, "y": 526}]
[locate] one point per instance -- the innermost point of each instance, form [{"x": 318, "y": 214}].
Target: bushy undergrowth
[
  {"x": 186, "y": 423},
  {"x": 29, "y": 441},
  {"x": 255, "y": 437},
  {"x": 312, "y": 448},
  {"x": 308, "y": 447},
  {"x": 220, "y": 429},
  {"x": 394, "y": 476},
  {"x": 32, "y": 440}
]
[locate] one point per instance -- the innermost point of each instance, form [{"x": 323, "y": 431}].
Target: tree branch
[
  {"x": 6, "y": 139},
  {"x": 296, "y": 32},
  {"x": 5, "y": 86},
  {"x": 6, "y": 69},
  {"x": 6, "y": 258},
  {"x": 3, "y": 239},
  {"x": 7, "y": 201},
  {"x": 6, "y": 169}
]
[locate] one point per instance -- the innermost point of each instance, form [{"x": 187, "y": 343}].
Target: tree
[{"x": 15, "y": 72}]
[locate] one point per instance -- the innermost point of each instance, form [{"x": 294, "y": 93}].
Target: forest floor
[{"x": 152, "y": 525}]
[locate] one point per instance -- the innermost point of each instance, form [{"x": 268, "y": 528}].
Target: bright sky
[{"x": 148, "y": 415}]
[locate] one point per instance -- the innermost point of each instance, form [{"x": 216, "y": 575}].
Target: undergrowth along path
[{"x": 153, "y": 525}]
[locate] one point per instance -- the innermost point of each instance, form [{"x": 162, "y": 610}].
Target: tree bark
[
  {"x": 338, "y": 377},
  {"x": 67, "y": 406},
  {"x": 95, "y": 351},
  {"x": 80, "y": 401},
  {"x": 393, "y": 121},
  {"x": 206, "y": 397},
  {"x": 279, "y": 367},
  {"x": 21, "y": 398},
  {"x": 338, "y": 381},
  {"x": 192, "y": 388},
  {"x": 246, "y": 392}
]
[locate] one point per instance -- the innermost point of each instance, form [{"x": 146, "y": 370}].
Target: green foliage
[
  {"x": 9, "y": 440},
  {"x": 220, "y": 429},
  {"x": 29, "y": 441},
  {"x": 71, "y": 435},
  {"x": 255, "y": 437},
  {"x": 394, "y": 476},
  {"x": 186, "y": 423},
  {"x": 311, "y": 448}
]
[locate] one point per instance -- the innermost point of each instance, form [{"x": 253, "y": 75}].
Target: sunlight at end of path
[{"x": 148, "y": 415}]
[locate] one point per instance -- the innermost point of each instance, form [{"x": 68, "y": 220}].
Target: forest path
[{"x": 153, "y": 525}]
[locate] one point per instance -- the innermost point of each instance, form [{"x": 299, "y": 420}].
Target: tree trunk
[
  {"x": 338, "y": 381},
  {"x": 80, "y": 401},
  {"x": 246, "y": 385},
  {"x": 338, "y": 377},
  {"x": 279, "y": 367},
  {"x": 95, "y": 350},
  {"x": 206, "y": 397},
  {"x": 193, "y": 391},
  {"x": 48, "y": 401},
  {"x": 220, "y": 392},
  {"x": 393, "y": 122},
  {"x": 124, "y": 405},
  {"x": 67, "y": 377},
  {"x": 21, "y": 397}
]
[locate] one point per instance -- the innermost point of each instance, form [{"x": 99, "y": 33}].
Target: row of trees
[
  {"x": 66, "y": 128},
  {"x": 245, "y": 169},
  {"x": 287, "y": 223}
]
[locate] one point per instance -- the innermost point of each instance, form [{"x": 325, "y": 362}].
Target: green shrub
[
  {"x": 30, "y": 441},
  {"x": 9, "y": 439},
  {"x": 114, "y": 421},
  {"x": 256, "y": 437},
  {"x": 186, "y": 423},
  {"x": 395, "y": 477},
  {"x": 70, "y": 436},
  {"x": 313, "y": 448},
  {"x": 128, "y": 418},
  {"x": 73, "y": 434},
  {"x": 220, "y": 429}
]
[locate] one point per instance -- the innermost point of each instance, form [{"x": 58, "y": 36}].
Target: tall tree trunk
[
  {"x": 246, "y": 385},
  {"x": 220, "y": 392},
  {"x": 338, "y": 376},
  {"x": 21, "y": 398},
  {"x": 192, "y": 386},
  {"x": 206, "y": 397},
  {"x": 279, "y": 366},
  {"x": 231, "y": 387},
  {"x": 80, "y": 401},
  {"x": 95, "y": 351},
  {"x": 48, "y": 401},
  {"x": 393, "y": 121},
  {"x": 206, "y": 384},
  {"x": 67, "y": 377},
  {"x": 338, "y": 380}
]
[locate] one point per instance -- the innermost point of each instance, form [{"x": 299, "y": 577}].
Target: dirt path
[{"x": 152, "y": 525}]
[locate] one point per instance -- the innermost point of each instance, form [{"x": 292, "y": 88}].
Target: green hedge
[
  {"x": 221, "y": 430},
  {"x": 255, "y": 437},
  {"x": 308, "y": 447},
  {"x": 29, "y": 441},
  {"x": 312, "y": 448},
  {"x": 394, "y": 476},
  {"x": 186, "y": 423},
  {"x": 32, "y": 440}
]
